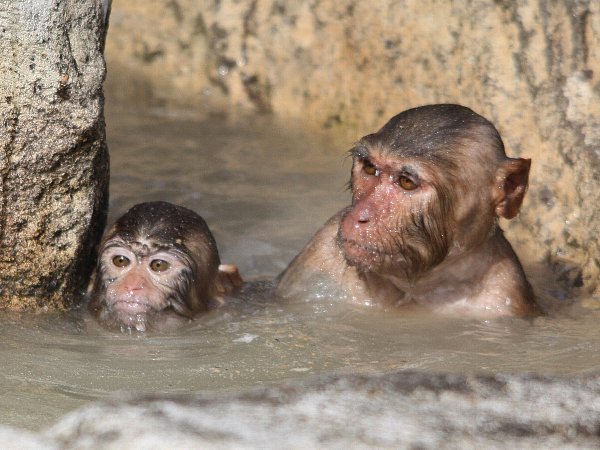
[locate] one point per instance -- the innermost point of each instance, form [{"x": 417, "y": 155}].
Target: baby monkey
[{"x": 158, "y": 267}]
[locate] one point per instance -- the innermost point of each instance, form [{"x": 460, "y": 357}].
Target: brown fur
[
  {"x": 195, "y": 283},
  {"x": 436, "y": 243}
]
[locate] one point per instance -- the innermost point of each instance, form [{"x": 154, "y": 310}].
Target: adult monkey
[
  {"x": 427, "y": 191},
  {"x": 158, "y": 267}
]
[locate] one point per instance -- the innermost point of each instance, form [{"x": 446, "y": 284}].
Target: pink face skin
[
  {"x": 158, "y": 268},
  {"x": 140, "y": 285},
  {"x": 380, "y": 190},
  {"x": 388, "y": 194}
]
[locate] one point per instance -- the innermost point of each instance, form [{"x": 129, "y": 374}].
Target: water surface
[{"x": 264, "y": 187}]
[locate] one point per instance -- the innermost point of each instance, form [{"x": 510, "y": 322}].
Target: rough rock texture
[
  {"x": 398, "y": 410},
  {"x": 531, "y": 67},
  {"x": 15, "y": 439},
  {"x": 53, "y": 155}
]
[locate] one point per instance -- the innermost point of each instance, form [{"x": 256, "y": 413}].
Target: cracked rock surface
[
  {"x": 395, "y": 410},
  {"x": 53, "y": 155}
]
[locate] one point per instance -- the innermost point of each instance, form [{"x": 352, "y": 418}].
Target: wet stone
[
  {"x": 53, "y": 155},
  {"x": 394, "y": 410}
]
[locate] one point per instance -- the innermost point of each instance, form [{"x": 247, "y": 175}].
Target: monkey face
[
  {"x": 429, "y": 184},
  {"x": 158, "y": 263},
  {"x": 141, "y": 285},
  {"x": 397, "y": 219}
]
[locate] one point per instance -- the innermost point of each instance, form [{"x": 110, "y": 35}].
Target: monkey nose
[
  {"x": 133, "y": 290},
  {"x": 134, "y": 284},
  {"x": 136, "y": 287},
  {"x": 363, "y": 216}
]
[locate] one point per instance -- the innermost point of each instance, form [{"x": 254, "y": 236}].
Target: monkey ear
[{"x": 512, "y": 180}]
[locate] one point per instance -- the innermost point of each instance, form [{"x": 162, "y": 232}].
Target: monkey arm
[{"x": 506, "y": 279}]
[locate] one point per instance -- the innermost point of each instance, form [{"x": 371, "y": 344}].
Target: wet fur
[
  {"x": 446, "y": 241},
  {"x": 147, "y": 228}
]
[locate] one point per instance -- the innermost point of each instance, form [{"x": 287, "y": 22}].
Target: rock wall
[
  {"x": 403, "y": 410},
  {"x": 53, "y": 155},
  {"x": 532, "y": 67}
]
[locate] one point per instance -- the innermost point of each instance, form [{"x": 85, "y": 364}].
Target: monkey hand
[{"x": 229, "y": 278}]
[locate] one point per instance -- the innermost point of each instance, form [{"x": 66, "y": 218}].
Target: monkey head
[
  {"x": 158, "y": 263},
  {"x": 428, "y": 187}
]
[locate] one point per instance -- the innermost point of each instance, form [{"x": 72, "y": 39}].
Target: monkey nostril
[
  {"x": 363, "y": 217},
  {"x": 134, "y": 285}
]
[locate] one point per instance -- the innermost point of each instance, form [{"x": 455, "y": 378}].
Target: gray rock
[
  {"x": 53, "y": 155},
  {"x": 15, "y": 439},
  {"x": 396, "y": 410}
]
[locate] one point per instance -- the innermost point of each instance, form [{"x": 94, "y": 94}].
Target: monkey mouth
[
  {"x": 367, "y": 258},
  {"x": 127, "y": 315},
  {"x": 360, "y": 255},
  {"x": 350, "y": 246},
  {"x": 132, "y": 307}
]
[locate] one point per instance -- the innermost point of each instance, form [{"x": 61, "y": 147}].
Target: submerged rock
[
  {"x": 396, "y": 410},
  {"x": 53, "y": 154}
]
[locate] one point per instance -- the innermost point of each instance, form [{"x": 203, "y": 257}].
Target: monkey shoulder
[
  {"x": 320, "y": 258},
  {"x": 505, "y": 288},
  {"x": 320, "y": 269}
]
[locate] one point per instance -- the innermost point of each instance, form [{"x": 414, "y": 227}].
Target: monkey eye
[
  {"x": 120, "y": 261},
  {"x": 159, "y": 265},
  {"x": 369, "y": 168},
  {"x": 406, "y": 183}
]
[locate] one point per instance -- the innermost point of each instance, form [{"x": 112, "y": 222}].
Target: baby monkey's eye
[
  {"x": 159, "y": 265},
  {"x": 120, "y": 261},
  {"x": 406, "y": 183},
  {"x": 369, "y": 168}
]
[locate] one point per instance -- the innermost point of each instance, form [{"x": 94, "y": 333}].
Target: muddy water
[{"x": 264, "y": 188}]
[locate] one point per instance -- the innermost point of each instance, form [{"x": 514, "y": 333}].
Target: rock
[
  {"x": 15, "y": 439},
  {"x": 53, "y": 154},
  {"x": 531, "y": 67},
  {"x": 396, "y": 410}
]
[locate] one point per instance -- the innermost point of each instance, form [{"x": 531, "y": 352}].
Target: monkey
[
  {"x": 158, "y": 267},
  {"x": 422, "y": 228}
]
